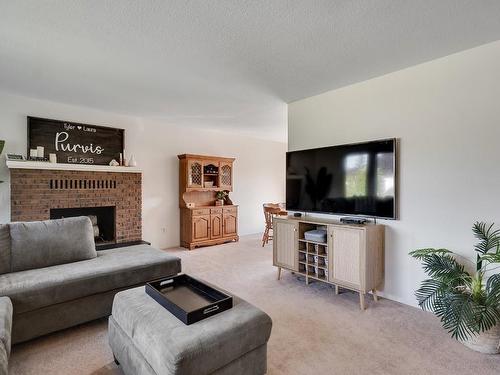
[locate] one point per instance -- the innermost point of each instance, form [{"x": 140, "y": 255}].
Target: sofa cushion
[
  {"x": 5, "y": 333},
  {"x": 171, "y": 347},
  {"x": 47, "y": 243},
  {"x": 111, "y": 269},
  {"x": 4, "y": 248}
]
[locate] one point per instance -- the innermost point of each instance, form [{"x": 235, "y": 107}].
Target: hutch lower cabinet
[
  {"x": 351, "y": 258},
  {"x": 208, "y": 226}
]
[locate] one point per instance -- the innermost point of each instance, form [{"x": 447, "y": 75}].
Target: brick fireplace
[{"x": 114, "y": 198}]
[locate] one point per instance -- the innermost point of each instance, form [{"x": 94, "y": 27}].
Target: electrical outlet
[{"x": 164, "y": 230}]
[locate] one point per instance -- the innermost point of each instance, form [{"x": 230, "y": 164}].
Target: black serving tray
[{"x": 190, "y": 300}]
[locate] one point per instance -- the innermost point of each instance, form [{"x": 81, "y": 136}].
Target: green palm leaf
[
  {"x": 446, "y": 269},
  {"x": 423, "y": 253},
  {"x": 458, "y": 316},
  {"x": 429, "y": 292},
  {"x": 493, "y": 290},
  {"x": 486, "y": 316},
  {"x": 488, "y": 239},
  {"x": 491, "y": 258}
]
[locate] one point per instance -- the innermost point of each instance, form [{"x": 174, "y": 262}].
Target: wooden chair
[{"x": 270, "y": 210}]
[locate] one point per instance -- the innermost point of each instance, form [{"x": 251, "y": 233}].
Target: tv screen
[{"x": 353, "y": 179}]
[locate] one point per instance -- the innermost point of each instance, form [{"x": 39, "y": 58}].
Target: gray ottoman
[{"x": 146, "y": 339}]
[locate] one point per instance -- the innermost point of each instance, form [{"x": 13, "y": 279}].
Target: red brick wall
[{"x": 35, "y": 192}]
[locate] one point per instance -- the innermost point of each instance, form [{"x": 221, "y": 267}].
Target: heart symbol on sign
[{"x": 79, "y": 127}]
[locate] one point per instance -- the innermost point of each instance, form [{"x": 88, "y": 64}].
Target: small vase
[
  {"x": 219, "y": 202},
  {"x": 132, "y": 162},
  {"x": 485, "y": 342}
]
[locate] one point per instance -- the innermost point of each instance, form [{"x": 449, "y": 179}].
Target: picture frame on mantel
[{"x": 75, "y": 143}]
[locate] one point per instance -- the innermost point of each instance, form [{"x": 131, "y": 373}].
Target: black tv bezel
[{"x": 396, "y": 180}]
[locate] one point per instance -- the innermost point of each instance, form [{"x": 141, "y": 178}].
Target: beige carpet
[{"x": 314, "y": 331}]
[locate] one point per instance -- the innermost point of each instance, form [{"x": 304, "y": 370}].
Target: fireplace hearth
[{"x": 103, "y": 220}]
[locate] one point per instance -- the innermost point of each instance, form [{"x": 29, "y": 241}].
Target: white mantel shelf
[{"x": 14, "y": 164}]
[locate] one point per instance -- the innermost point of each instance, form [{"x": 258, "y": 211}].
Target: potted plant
[
  {"x": 467, "y": 302},
  {"x": 221, "y": 196}
]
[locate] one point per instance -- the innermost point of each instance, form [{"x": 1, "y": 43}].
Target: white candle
[
  {"x": 39, "y": 151},
  {"x": 33, "y": 153},
  {"x": 53, "y": 158}
]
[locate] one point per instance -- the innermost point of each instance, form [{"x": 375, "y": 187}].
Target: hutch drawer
[{"x": 199, "y": 212}]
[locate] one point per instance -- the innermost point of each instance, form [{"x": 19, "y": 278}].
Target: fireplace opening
[{"x": 103, "y": 220}]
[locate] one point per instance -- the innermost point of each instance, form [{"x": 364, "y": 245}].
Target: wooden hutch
[{"x": 202, "y": 221}]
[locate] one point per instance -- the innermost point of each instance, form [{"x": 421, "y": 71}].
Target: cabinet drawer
[
  {"x": 230, "y": 210},
  {"x": 201, "y": 211},
  {"x": 216, "y": 211}
]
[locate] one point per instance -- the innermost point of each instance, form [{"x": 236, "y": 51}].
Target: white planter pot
[{"x": 486, "y": 342}]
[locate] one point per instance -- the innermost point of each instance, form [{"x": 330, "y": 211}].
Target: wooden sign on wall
[{"x": 75, "y": 143}]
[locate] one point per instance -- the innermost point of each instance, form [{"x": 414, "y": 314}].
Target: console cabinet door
[
  {"x": 200, "y": 228},
  {"x": 348, "y": 253},
  {"x": 285, "y": 245},
  {"x": 215, "y": 226}
]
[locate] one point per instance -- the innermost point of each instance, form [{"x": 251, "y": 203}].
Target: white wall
[
  {"x": 258, "y": 174},
  {"x": 447, "y": 114}
]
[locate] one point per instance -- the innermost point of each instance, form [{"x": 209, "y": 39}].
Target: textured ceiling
[{"x": 228, "y": 65}]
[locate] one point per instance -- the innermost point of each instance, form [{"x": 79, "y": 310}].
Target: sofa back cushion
[
  {"x": 4, "y": 248},
  {"x": 47, "y": 243}
]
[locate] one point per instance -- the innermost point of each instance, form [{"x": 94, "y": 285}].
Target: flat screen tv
[{"x": 353, "y": 179}]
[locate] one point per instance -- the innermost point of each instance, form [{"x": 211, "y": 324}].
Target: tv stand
[{"x": 351, "y": 258}]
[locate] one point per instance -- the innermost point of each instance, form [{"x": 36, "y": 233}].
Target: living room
[{"x": 251, "y": 88}]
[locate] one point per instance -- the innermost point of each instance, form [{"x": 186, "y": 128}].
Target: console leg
[
  {"x": 336, "y": 289},
  {"x": 279, "y": 273},
  {"x": 375, "y": 297},
  {"x": 361, "y": 300}
]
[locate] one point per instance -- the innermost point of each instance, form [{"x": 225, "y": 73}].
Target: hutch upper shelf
[{"x": 205, "y": 173}]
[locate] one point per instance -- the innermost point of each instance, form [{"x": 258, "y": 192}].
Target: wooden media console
[{"x": 352, "y": 256}]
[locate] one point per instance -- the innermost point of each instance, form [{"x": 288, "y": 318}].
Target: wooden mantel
[{"x": 14, "y": 164}]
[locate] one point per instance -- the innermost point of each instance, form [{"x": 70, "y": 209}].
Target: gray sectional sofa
[{"x": 56, "y": 279}]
